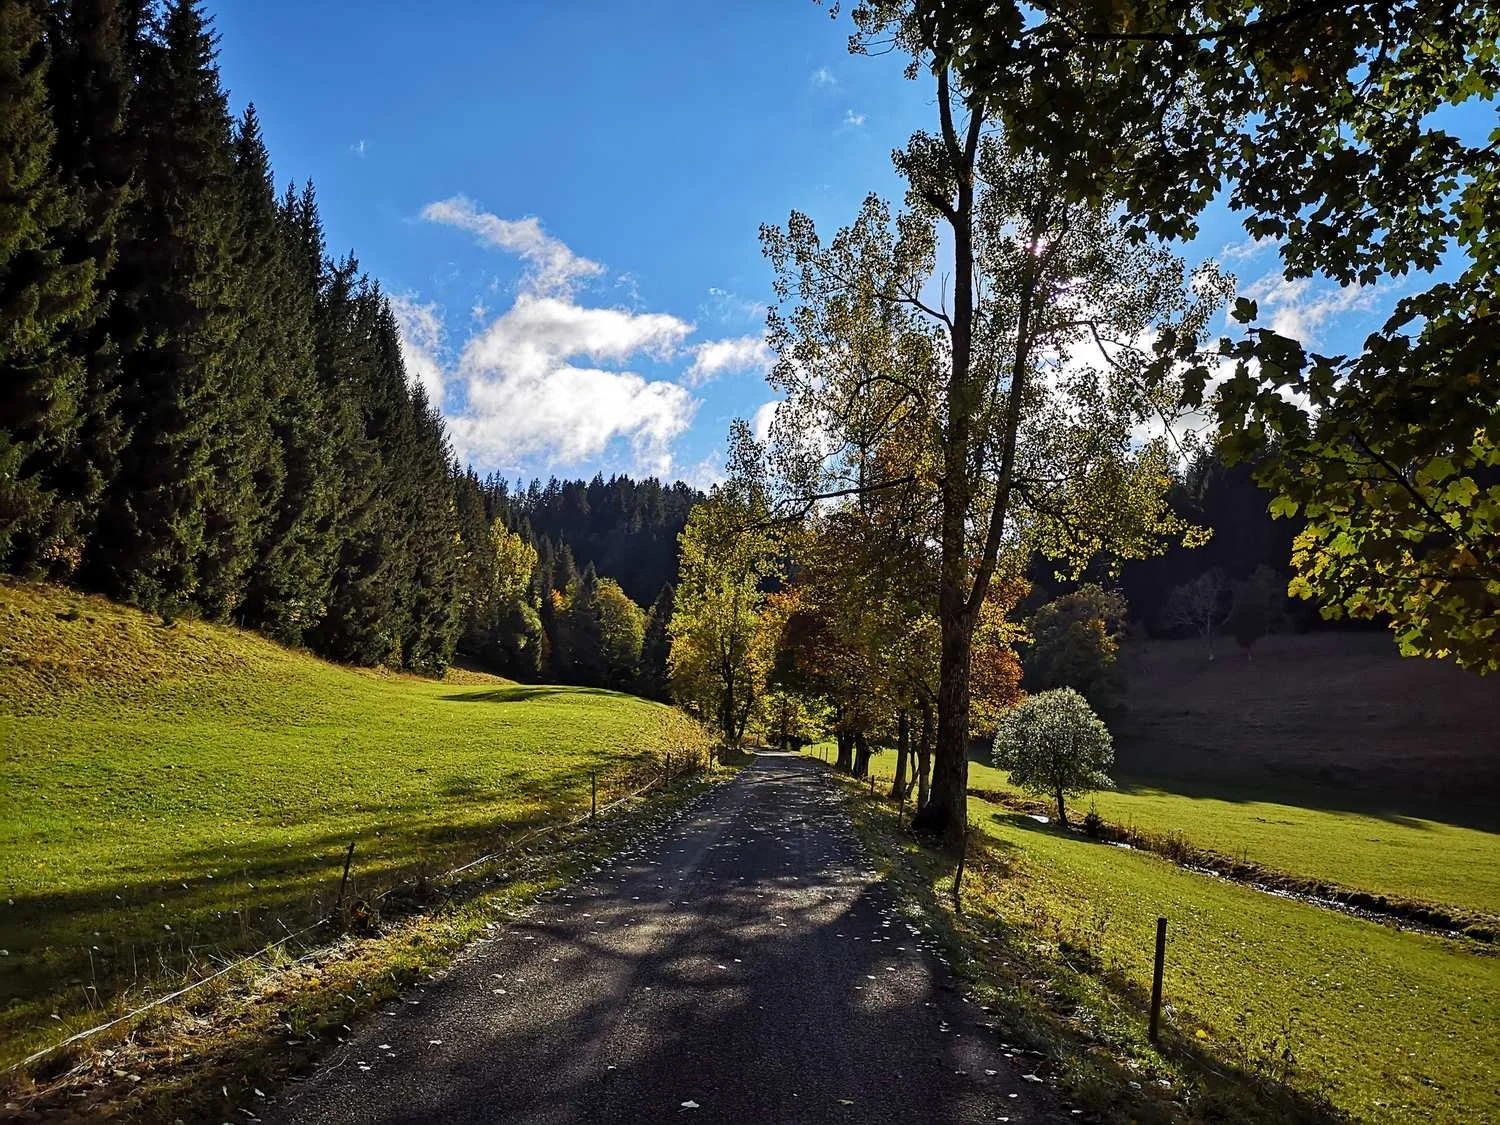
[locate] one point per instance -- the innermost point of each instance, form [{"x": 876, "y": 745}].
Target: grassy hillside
[
  {"x": 1390, "y": 1026},
  {"x": 1326, "y": 757},
  {"x": 1389, "y": 853},
  {"x": 171, "y": 794},
  {"x": 1341, "y": 712}
]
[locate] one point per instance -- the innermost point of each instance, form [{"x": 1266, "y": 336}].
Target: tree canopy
[{"x": 1054, "y": 744}]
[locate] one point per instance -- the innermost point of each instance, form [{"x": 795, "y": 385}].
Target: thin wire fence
[{"x": 640, "y": 778}]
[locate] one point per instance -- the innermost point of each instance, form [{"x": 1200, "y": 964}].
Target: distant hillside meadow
[{"x": 175, "y": 793}]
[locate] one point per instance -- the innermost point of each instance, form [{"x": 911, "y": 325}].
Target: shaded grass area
[
  {"x": 1337, "y": 714},
  {"x": 1390, "y": 1026},
  {"x": 1385, "y": 853},
  {"x": 217, "y": 1054},
  {"x": 1275, "y": 1010},
  {"x": 173, "y": 795}
]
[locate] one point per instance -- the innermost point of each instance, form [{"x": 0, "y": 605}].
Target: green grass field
[
  {"x": 172, "y": 794},
  {"x": 1390, "y": 1026},
  {"x": 1388, "y": 853}
]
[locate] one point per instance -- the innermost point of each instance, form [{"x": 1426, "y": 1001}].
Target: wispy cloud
[
  {"x": 727, "y": 307},
  {"x": 854, "y": 119},
  {"x": 824, "y": 77},
  {"x": 358, "y": 147},
  {"x": 421, "y": 338},
  {"x": 1249, "y": 248},
  {"x": 552, "y": 266},
  {"x": 706, "y": 473},
  {"x": 716, "y": 357},
  {"x": 1301, "y": 308}
]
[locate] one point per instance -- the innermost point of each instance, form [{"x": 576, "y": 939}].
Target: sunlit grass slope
[
  {"x": 1385, "y": 853},
  {"x": 1391, "y": 1026},
  {"x": 172, "y": 794}
]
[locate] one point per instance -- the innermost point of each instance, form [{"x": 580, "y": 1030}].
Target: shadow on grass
[
  {"x": 523, "y": 693},
  {"x": 75, "y": 951},
  {"x": 1330, "y": 792},
  {"x": 1409, "y": 810},
  {"x": 1051, "y": 1019}
]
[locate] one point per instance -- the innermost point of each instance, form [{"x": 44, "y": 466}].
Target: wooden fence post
[
  {"x": 344, "y": 882},
  {"x": 1161, "y": 956},
  {"x": 958, "y": 874}
]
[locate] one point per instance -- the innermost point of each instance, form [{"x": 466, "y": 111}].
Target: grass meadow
[
  {"x": 176, "y": 794},
  {"x": 1385, "y": 853},
  {"x": 1387, "y": 1025}
]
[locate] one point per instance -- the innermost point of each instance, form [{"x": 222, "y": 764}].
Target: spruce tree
[
  {"x": 433, "y": 602},
  {"x": 358, "y": 625},
  {"x": 45, "y": 292},
  {"x": 656, "y": 646},
  {"x": 287, "y": 587},
  {"x": 176, "y": 524},
  {"x": 96, "y": 55}
]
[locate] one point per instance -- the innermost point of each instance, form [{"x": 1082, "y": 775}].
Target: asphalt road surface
[{"x": 746, "y": 965}]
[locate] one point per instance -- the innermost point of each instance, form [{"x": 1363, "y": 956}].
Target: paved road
[{"x": 744, "y": 966}]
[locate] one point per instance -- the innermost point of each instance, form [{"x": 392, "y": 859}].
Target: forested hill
[
  {"x": 626, "y": 529},
  {"x": 202, "y": 412}
]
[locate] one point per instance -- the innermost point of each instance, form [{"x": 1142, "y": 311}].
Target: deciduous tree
[
  {"x": 1026, "y": 377},
  {"x": 1330, "y": 127},
  {"x": 1197, "y": 607},
  {"x": 1054, "y": 744}
]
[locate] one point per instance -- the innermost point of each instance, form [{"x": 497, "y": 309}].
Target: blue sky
[{"x": 564, "y": 201}]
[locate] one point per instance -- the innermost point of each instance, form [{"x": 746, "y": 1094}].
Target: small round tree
[{"x": 1054, "y": 744}]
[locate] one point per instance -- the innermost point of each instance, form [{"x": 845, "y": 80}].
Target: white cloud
[
  {"x": 725, "y": 306},
  {"x": 760, "y": 422},
  {"x": 1249, "y": 248},
  {"x": 553, "y": 267},
  {"x": 421, "y": 337},
  {"x": 740, "y": 353},
  {"x": 524, "y": 399},
  {"x": 1299, "y": 308},
  {"x": 852, "y": 118},
  {"x": 704, "y": 474},
  {"x": 479, "y": 310},
  {"x": 358, "y": 147},
  {"x": 824, "y": 77}
]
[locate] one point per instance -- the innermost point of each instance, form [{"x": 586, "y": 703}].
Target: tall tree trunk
[
  {"x": 924, "y": 756},
  {"x": 861, "y": 754},
  {"x": 1062, "y": 813},
  {"x": 726, "y": 709},
  {"x": 945, "y": 811},
  {"x": 845, "y": 763},
  {"x": 903, "y": 749}
]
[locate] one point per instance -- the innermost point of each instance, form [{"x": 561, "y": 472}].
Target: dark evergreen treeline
[
  {"x": 582, "y": 561},
  {"x": 624, "y": 528},
  {"x": 202, "y": 412},
  {"x": 1245, "y": 538},
  {"x": 1226, "y": 500}
]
